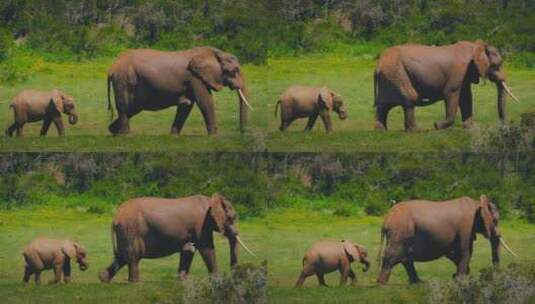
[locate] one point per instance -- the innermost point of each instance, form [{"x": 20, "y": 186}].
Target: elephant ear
[
  {"x": 208, "y": 69},
  {"x": 325, "y": 99},
  {"x": 217, "y": 211},
  {"x": 351, "y": 250},
  {"x": 486, "y": 215},
  {"x": 69, "y": 249},
  {"x": 481, "y": 59},
  {"x": 56, "y": 102}
]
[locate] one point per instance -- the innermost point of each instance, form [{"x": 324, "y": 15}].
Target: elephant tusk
[
  {"x": 507, "y": 248},
  {"x": 509, "y": 92},
  {"x": 242, "y": 96},
  {"x": 244, "y": 247}
]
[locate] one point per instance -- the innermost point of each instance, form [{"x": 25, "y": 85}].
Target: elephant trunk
[
  {"x": 495, "y": 248},
  {"x": 366, "y": 265},
  {"x": 501, "y": 100},
  {"x": 233, "y": 245},
  {"x": 73, "y": 119}
]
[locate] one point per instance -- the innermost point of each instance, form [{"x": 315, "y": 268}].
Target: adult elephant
[
  {"x": 416, "y": 75},
  {"x": 152, "y": 227},
  {"x": 151, "y": 80},
  {"x": 421, "y": 231}
]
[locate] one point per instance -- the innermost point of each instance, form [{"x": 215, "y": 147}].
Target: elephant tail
[
  {"x": 277, "y": 107},
  {"x": 110, "y": 108},
  {"x": 381, "y": 245},
  {"x": 113, "y": 231},
  {"x": 375, "y": 80}
]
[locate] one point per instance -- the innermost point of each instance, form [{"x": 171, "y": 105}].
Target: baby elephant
[
  {"x": 43, "y": 254},
  {"x": 301, "y": 101},
  {"x": 324, "y": 257},
  {"x": 33, "y": 106}
]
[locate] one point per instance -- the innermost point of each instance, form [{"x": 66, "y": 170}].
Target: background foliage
[
  {"x": 339, "y": 184},
  {"x": 77, "y": 29}
]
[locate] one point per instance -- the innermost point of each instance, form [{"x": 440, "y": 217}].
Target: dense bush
[
  {"x": 76, "y": 29},
  {"x": 342, "y": 184},
  {"x": 510, "y": 137},
  {"x": 247, "y": 283},
  {"x": 514, "y": 284}
]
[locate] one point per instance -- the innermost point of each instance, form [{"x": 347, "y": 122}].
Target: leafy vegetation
[
  {"x": 63, "y": 29},
  {"x": 338, "y": 184},
  {"x": 513, "y": 284}
]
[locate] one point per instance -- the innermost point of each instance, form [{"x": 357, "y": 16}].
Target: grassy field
[
  {"x": 281, "y": 238},
  {"x": 349, "y": 76}
]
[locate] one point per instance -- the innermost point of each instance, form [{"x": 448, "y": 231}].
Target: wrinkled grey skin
[
  {"x": 32, "y": 106},
  {"x": 150, "y": 227},
  {"x": 151, "y": 80},
  {"x": 42, "y": 254},
  {"x": 304, "y": 101},
  {"x": 414, "y": 75},
  {"x": 327, "y": 256},
  {"x": 421, "y": 231}
]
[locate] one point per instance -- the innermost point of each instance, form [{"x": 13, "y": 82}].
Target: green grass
[
  {"x": 349, "y": 76},
  {"x": 281, "y": 238}
]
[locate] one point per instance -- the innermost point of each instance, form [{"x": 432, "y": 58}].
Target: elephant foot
[
  {"x": 379, "y": 126},
  {"x": 412, "y": 129},
  {"x": 104, "y": 276},
  {"x": 443, "y": 124},
  {"x": 467, "y": 124},
  {"x": 182, "y": 276},
  {"x": 417, "y": 281}
]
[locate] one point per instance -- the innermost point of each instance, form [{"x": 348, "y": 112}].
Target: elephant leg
[
  {"x": 410, "y": 119},
  {"x": 67, "y": 271},
  {"x": 121, "y": 125},
  {"x": 205, "y": 102},
  {"x": 464, "y": 266},
  {"x": 19, "y": 129},
  {"x": 185, "y": 263},
  {"x": 388, "y": 263},
  {"x": 285, "y": 123},
  {"x": 58, "y": 122},
  {"x": 411, "y": 272},
  {"x": 454, "y": 257},
  {"x": 58, "y": 272},
  {"x": 452, "y": 103},
  {"x": 38, "y": 277},
  {"x": 209, "y": 258},
  {"x": 11, "y": 129},
  {"x": 321, "y": 279},
  {"x": 46, "y": 124},
  {"x": 108, "y": 274},
  {"x": 352, "y": 276},
  {"x": 27, "y": 273},
  {"x": 466, "y": 106},
  {"x": 301, "y": 279},
  {"x": 311, "y": 121},
  {"x": 344, "y": 274},
  {"x": 381, "y": 116},
  {"x": 133, "y": 271},
  {"x": 182, "y": 112},
  {"x": 326, "y": 118}
]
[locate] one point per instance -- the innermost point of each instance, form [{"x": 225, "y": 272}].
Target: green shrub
[
  {"x": 247, "y": 283},
  {"x": 6, "y": 45},
  {"x": 376, "y": 207},
  {"x": 510, "y": 285}
]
